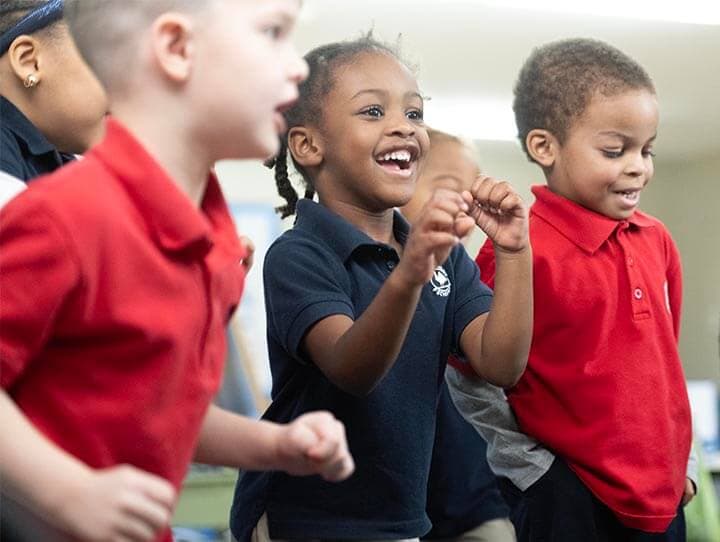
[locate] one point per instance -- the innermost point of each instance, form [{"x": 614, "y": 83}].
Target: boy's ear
[
  {"x": 542, "y": 146},
  {"x": 173, "y": 46},
  {"x": 24, "y": 55},
  {"x": 305, "y": 146}
]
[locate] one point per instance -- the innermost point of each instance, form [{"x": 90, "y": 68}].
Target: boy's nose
[
  {"x": 299, "y": 70},
  {"x": 638, "y": 165}
]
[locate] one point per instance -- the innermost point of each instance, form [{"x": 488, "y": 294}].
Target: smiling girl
[{"x": 363, "y": 312}]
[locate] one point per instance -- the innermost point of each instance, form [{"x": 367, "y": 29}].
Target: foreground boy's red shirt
[{"x": 116, "y": 292}]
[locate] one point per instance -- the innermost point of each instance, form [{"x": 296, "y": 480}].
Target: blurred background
[{"x": 468, "y": 54}]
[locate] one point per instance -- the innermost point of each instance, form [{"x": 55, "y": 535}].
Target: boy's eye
[
  {"x": 373, "y": 111},
  {"x": 415, "y": 114},
  {"x": 274, "y": 32},
  {"x": 648, "y": 153},
  {"x": 613, "y": 153}
]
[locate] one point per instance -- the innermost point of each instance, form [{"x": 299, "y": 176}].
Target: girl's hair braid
[{"x": 282, "y": 179}]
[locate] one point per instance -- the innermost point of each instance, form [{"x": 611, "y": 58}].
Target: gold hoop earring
[{"x": 31, "y": 81}]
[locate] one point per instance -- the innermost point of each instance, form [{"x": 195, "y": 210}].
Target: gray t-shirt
[{"x": 510, "y": 452}]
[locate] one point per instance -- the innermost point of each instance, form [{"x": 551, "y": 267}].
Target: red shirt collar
[
  {"x": 173, "y": 220},
  {"x": 586, "y": 228}
]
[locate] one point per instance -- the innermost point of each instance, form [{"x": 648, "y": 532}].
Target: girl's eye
[
  {"x": 415, "y": 114},
  {"x": 613, "y": 153},
  {"x": 373, "y": 111},
  {"x": 648, "y": 153}
]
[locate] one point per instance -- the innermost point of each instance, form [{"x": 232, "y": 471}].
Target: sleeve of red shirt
[
  {"x": 37, "y": 271},
  {"x": 674, "y": 283},
  {"x": 485, "y": 261}
]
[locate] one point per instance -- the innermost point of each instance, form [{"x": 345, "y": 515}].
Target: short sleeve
[
  {"x": 37, "y": 271},
  {"x": 472, "y": 297},
  {"x": 304, "y": 283},
  {"x": 673, "y": 285},
  {"x": 485, "y": 260}
]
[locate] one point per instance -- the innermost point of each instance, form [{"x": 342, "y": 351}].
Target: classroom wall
[{"x": 685, "y": 195}]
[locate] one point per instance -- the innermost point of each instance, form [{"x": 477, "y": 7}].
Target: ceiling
[{"x": 465, "y": 48}]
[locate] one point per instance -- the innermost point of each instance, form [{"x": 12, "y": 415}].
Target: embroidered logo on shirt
[{"x": 440, "y": 282}]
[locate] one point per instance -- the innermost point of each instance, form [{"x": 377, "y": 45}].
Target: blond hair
[{"x": 106, "y": 31}]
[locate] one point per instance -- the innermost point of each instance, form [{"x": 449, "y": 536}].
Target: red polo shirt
[
  {"x": 604, "y": 386},
  {"x": 116, "y": 290}
]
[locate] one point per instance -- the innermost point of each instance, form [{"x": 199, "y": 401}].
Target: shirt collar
[
  {"x": 173, "y": 220},
  {"x": 14, "y": 120},
  {"x": 586, "y": 228},
  {"x": 342, "y": 236}
]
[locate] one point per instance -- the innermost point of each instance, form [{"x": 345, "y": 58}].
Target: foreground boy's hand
[
  {"x": 439, "y": 227},
  {"x": 500, "y": 212},
  {"x": 120, "y": 503},
  {"x": 689, "y": 491},
  {"x": 247, "y": 261},
  {"x": 315, "y": 443}
]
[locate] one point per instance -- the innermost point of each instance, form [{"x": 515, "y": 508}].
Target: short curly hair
[{"x": 559, "y": 79}]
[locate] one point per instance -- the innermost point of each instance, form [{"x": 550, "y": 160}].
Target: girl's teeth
[{"x": 398, "y": 155}]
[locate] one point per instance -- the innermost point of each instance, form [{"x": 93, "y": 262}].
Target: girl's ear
[
  {"x": 305, "y": 146},
  {"x": 542, "y": 146},
  {"x": 24, "y": 55}
]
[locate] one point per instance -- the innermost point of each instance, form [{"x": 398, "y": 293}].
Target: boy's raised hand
[
  {"x": 119, "y": 503},
  {"x": 500, "y": 212},
  {"x": 315, "y": 443},
  {"x": 439, "y": 227}
]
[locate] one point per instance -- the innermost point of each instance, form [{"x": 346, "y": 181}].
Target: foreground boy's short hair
[
  {"x": 558, "y": 80},
  {"x": 106, "y": 31}
]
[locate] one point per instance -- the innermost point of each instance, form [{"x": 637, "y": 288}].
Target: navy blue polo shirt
[
  {"x": 326, "y": 266},
  {"x": 24, "y": 151},
  {"x": 462, "y": 491}
]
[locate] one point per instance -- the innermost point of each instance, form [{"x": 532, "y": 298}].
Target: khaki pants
[
  {"x": 261, "y": 534},
  {"x": 495, "y": 530}
]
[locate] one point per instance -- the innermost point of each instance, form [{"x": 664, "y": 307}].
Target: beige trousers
[
  {"x": 495, "y": 530},
  {"x": 261, "y": 534}
]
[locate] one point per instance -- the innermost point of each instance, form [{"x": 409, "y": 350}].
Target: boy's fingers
[
  {"x": 342, "y": 464},
  {"x": 324, "y": 450},
  {"x": 149, "y": 512},
  {"x": 158, "y": 489},
  {"x": 339, "y": 470},
  {"x": 136, "y": 530}
]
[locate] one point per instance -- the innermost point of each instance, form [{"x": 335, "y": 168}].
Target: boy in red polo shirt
[
  {"x": 604, "y": 387},
  {"x": 119, "y": 274}
]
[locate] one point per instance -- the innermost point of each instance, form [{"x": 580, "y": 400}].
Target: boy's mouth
[{"x": 629, "y": 197}]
